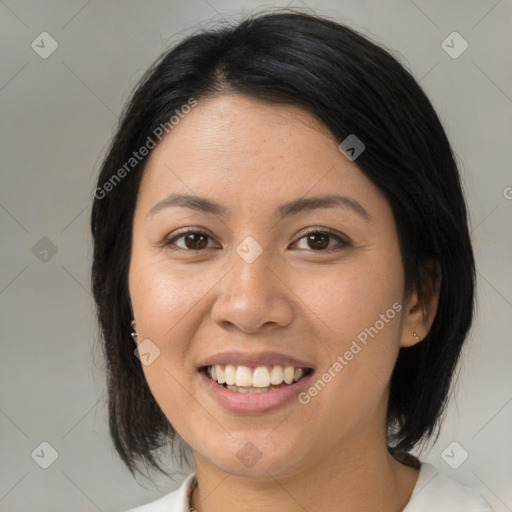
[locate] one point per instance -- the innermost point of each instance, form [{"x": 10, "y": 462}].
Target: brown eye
[
  {"x": 193, "y": 240},
  {"x": 319, "y": 241}
]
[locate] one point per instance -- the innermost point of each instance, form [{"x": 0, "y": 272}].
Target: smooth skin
[{"x": 194, "y": 297}]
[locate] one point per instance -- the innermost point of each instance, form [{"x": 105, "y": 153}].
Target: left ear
[{"x": 421, "y": 308}]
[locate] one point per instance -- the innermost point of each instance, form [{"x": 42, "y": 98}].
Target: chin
[{"x": 255, "y": 456}]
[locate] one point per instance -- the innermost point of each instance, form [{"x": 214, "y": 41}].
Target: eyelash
[{"x": 342, "y": 242}]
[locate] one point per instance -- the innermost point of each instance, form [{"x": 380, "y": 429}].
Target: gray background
[{"x": 58, "y": 115}]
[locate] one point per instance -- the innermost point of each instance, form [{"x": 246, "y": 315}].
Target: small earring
[
  {"x": 135, "y": 336},
  {"x": 416, "y": 336}
]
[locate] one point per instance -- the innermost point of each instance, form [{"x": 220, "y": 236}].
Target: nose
[{"x": 253, "y": 296}]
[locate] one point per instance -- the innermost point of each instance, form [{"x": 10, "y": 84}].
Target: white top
[{"x": 433, "y": 492}]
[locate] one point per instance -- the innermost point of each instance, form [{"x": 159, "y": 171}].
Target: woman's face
[{"x": 262, "y": 287}]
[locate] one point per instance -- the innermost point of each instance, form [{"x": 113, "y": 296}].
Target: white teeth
[
  {"x": 243, "y": 376},
  {"x": 237, "y": 377},
  {"x": 276, "y": 375},
  {"x": 299, "y": 372},
  {"x": 221, "y": 374},
  {"x": 288, "y": 374},
  {"x": 261, "y": 377},
  {"x": 230, "y": 374}
]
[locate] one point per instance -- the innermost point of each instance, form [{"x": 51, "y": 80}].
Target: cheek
[
  {"x": 347, "y": 298},
  {"x": 358, "y": 311},
  {"x": 163, "y": 298},
  {"x": 167, "y": 306}
]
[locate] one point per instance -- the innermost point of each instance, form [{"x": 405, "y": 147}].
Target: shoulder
[
  {"x": 435, "y": 492},
  {"x": 176, "y": 501}
]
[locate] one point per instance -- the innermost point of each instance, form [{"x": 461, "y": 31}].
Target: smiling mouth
[{"x": 262, "y": 379}]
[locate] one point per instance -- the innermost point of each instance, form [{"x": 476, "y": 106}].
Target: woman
[{"x": 280, "y": 227}]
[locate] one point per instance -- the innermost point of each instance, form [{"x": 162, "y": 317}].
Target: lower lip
[{"x": 254, "y": 402}]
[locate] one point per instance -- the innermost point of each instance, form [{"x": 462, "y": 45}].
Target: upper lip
[{"x": 254, "y": 359}]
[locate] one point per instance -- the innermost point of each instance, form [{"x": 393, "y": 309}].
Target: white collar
[{"x": 433, "y": 492}]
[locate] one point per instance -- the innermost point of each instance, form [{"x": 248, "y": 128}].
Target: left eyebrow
[
  {"x": 327, "y": 201},
  {"x": 294, "y": 207}
]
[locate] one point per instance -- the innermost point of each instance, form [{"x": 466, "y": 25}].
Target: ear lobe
[{"x": 421, "y": 308}]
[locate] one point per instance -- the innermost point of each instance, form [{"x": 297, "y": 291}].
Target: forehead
[{"x": 246, "y": 151}]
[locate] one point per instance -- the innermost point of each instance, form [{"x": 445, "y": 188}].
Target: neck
[{"x": 358, "y": 477}]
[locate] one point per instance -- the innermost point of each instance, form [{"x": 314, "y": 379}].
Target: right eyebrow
[{"x": 201, "y": 204}]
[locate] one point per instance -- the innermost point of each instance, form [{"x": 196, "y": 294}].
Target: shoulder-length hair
[{"x": 353, "y": 86}]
